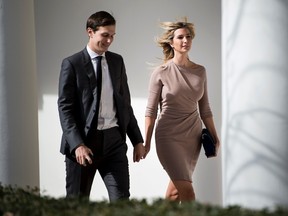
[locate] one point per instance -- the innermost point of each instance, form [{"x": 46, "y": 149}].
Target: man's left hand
[{"x": 138, "y": 152}]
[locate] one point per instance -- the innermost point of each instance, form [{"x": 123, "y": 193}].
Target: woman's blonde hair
[{"x": 165, "y": 40}]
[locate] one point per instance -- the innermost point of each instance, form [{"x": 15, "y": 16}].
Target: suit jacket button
[{"x": 87, "y": 127}]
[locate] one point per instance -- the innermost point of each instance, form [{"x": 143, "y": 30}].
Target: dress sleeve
[
  {"x": 204, "y": 106},
  {"x": 154, "y": 94}
]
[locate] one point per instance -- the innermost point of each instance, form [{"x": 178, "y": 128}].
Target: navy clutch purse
[{"x": 208, "y": 143}]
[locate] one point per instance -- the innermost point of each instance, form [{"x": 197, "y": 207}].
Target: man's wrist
[{"x": 81, "y": 144}]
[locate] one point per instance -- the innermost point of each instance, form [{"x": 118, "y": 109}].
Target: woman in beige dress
[{"x": 179, "y": 89}]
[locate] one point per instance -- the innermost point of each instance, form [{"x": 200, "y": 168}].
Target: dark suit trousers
[{"x": 109, "y": 159}]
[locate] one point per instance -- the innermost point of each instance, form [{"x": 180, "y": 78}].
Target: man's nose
[{"x": 109, "y": 40}]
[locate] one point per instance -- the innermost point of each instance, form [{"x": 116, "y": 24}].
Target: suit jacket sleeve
[{"x": 67, "y": 107}]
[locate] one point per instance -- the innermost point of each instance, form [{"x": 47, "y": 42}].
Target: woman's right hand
[{"x": 147, "y": 149}]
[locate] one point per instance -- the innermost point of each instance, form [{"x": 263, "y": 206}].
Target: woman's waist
[{"x": 178, "y": 113}]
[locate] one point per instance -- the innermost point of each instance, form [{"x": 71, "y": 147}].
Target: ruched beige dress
[{"x": 176, "y": 92}]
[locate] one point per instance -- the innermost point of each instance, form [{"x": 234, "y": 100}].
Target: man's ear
[{"x": 89, "y": 31}]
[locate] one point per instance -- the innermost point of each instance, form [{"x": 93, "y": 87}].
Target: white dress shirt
[{"x": 107, "y": 111}]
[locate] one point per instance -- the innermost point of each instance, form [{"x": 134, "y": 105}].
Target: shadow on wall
[{"x": 255, "y": 154}]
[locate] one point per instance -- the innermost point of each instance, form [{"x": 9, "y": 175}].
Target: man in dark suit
[{"x": 96, "y": 116}]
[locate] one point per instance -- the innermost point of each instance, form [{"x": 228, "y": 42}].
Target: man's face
[{"x": 100, "y": 40}]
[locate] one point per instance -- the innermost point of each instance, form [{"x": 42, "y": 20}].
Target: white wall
[
  {"x": 19, "y": 163},
  {"x": 255, "y": 103},
  {"x": 60, "y": 31}
]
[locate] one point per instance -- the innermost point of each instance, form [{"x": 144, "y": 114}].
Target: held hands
[
  {"x": 138, "y": 152},
  {"x": 83, "y": 155},
  {"x": 147, "y": 149}
]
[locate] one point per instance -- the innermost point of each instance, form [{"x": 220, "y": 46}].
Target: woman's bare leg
[
  {"x": 180, "y": 190},
  {"x": 171, "y": 192}
]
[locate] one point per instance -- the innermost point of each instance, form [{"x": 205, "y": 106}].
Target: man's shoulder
[
  {"x": 110, "y": 54},
  {"x": 83, "y": 54},
  {"x": 76, "y": 56}
]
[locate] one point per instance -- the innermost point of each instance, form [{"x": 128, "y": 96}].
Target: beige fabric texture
[{"x": 178, "y": 98}]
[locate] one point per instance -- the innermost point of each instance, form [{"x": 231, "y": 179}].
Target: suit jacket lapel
[
  {"x": 89, "y": 70},
  {"x": 112, "y": 68}
]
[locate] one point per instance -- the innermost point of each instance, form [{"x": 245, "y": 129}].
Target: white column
[
  {"x": 19, "y": 159},
  {"x": 255, "y": 102}
]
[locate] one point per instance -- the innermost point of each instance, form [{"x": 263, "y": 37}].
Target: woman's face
[{"x": 182, "y": 40}]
